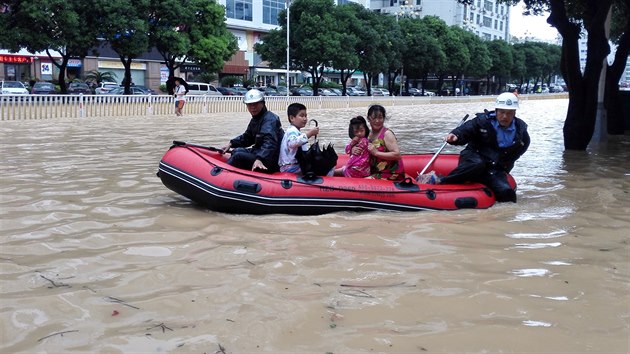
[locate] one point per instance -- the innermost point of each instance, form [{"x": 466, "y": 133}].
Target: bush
[
  {"x": 163, "y": 88},
  {"x": 230, "y": 81}
]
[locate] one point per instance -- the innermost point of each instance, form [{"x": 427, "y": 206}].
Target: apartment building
[{"x": 487, "y": 19}]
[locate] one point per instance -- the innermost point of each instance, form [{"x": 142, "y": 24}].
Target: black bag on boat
[{"x": 316, "y": 160}]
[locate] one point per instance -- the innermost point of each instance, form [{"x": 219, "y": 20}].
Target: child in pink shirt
[{"x": 358, "y": 166}]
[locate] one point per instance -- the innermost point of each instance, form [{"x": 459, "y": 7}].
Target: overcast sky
[{"x": 532, "y": 26}]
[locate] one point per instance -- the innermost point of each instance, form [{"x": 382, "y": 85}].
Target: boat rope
[{"x": 341, "y": 189}]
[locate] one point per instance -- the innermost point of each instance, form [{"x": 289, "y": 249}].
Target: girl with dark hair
[
  {"x": 358, "y": 166},
  {"x": 386, "y": 158}
]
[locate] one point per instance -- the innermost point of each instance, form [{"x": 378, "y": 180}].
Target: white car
[
  {"x": 105, "y": 87},
  {"x": 13, "y": 88},
  {"x": 380, "y": 92}
]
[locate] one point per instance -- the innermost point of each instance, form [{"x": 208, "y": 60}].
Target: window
[
  {"x": 487, "y": 22},
  {"x": 472, "y": 17},
  {"x": 239, "y": 9},
  {"x": 501, "y": 26},
  {"x": 496, "y": 23},
  {"x": 487, "y": 5},
  {"x": 487, "y": 36},
  {"x": 271, "y": 9},
  {"x": 478, "y": 19}
]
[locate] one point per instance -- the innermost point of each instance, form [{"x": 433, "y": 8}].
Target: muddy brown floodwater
[{"x": 97, "y": 256}]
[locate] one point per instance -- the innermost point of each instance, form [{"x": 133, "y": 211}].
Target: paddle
[
  {"x": 183, "y": 143},
  {"x": 440, "y": 150}
]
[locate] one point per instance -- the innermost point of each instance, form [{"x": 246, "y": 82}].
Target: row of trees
[
  {"x": 346, "y": 38},
  {"x": 350, "y": 37},
  {"x": 179, "y": 30}
]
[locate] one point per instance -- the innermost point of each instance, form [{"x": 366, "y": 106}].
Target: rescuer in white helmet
[
  {"x": 494, "y": 141},
  {"x": 258, "y": 147}
]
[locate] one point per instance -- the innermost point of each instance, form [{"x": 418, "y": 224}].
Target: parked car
[
  {"x": 376, "y": 91},
  {"x": 146, "y": 89},
  {"x": 135, "y": 90},
  {"x": 227, "y": 91},
  {"x": 76, "y": 88},
  {"x": 43, "y": 88},
  {"x": 202, "y": 88},
  {"x": 13, "y": 88},
  {"x": 240, "y": 90},
  {"x": 301, "y": 91},
  {"x": 269, "y": 91},
  {"x": 336, "y": 90},
  {"x": 105, "y": 87},
  {"x": 355, "y": 91},
  {"x": 325, "y": 92},
  {"x": 428, "y": 93},
  {"x": 412, "y": 91}
]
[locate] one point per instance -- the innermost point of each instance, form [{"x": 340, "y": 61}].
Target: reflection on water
[{"x": 98, "y": 256}]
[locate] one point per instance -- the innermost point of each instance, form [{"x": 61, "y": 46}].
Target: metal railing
[{"x": 95, "y": 106}]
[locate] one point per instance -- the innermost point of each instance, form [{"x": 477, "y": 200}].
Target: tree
[
  {"x": 501, "y": 59},
  {"x": 63, "y": 26},
  {"x": 125, "y": 26},
  {"x": 97, "y": 77},
  {"x": 571, "y": 18},
  {"x": 422, "y": 53},
  {"x": 346, "y": 58},
  {"x": 193, "y": 30},
  {"x": 457, "y": 54},
  {"x": 479, "y": 62},
  {"x": 314, "y": 39}
]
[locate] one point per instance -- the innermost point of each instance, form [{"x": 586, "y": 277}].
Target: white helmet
[
  {"x": 253, "y": 96},
  {"x": 507, "y": 100}
]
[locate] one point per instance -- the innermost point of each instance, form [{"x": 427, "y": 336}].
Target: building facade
[
  {"x": 248, "y": 20},
  {"x": 488, "y": 19}
]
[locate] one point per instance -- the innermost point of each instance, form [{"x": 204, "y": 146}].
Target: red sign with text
[{"x": 17, "y": 59}]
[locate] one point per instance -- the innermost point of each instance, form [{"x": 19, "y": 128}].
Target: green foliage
[
  {"x": 211, "y": 42},
  {"x": 42, "y": 25},
  {"x": 315, "y": 38},
  {"x": 230, "y": 81},
  {"x": 249, "y": 83},
  {"x": 421, "y": 51},
  {"x": 100, "y": 76}
]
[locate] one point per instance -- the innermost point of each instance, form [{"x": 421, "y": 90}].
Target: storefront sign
[
  {"x": 190, "y": 69},
  {"x": 46, "y": 68},
  {"x": 16, "y": 59},
  {"x": 74, "y": 63},
  {"x": 241, "y": 37},
  {"x": 163, "y": 73},
  {"x": 106, "y": 64}
]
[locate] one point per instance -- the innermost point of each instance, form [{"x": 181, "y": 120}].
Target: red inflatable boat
[{"x": 201, "y": 174}]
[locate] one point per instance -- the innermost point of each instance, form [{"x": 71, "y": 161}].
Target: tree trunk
[
  {"x": 127, "y": 80},
  {"x": 62, "y": 70},
  {"x": 440, "y": 83},
  {"x": 612, "y": 98},
  {"x": 425, "y": 77},
  {"x": 368, "y": 82}
]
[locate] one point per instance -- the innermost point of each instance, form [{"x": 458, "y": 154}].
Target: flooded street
[{"x": 97, "y": 256}]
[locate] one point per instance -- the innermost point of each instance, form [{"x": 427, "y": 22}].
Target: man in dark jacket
[
  {"x": 258, "y": 147},
  {"x": 495, "y": 141}
]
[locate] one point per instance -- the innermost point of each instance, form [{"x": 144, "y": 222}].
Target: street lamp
[{"x": 288, "y": 4}]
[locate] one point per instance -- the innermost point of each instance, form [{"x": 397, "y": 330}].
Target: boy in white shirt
[{"x": 294, "y": 139}]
